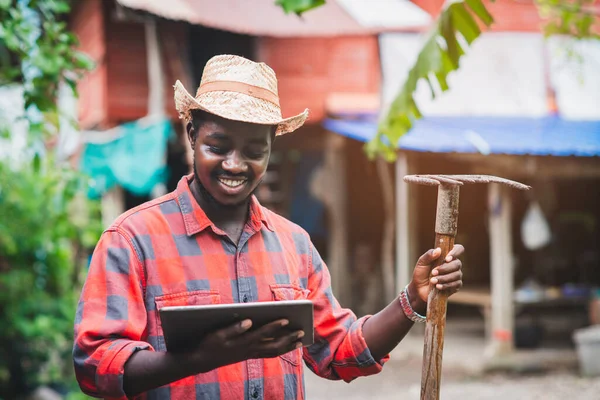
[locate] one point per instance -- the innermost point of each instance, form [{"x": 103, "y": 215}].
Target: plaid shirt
[{"x": 167, "y": 252}]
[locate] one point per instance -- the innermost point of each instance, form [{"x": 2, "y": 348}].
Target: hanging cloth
[{"x": 134, "y": 160}]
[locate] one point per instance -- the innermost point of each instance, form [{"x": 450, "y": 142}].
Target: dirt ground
[
  {"x": 402, "y": 381},
  {"x": 552, "y": 373}
]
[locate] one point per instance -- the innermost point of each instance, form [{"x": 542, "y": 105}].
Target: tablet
[{"x": 184, "y": 326}]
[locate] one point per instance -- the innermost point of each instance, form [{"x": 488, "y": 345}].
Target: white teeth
[{"x": 232, "y": 183}]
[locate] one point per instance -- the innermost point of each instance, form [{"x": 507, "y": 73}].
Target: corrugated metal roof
[
  {"x": 548, "y": 136},
  {"x": 265, "y": 18}
]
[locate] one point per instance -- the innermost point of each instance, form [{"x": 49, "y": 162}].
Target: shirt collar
[{"x": 196, "y": 220}]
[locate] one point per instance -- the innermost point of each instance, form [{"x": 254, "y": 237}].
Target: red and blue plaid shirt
[{"x": 167, "y": 252}]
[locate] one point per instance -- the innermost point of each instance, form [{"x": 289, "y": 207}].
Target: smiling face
[{"x": 230, "y": 157}]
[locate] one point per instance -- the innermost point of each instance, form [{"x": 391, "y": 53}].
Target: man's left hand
[{"x": 446, "y": 277}]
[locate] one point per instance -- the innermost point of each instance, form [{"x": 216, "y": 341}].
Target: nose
[{"x": 234, "y": 164}]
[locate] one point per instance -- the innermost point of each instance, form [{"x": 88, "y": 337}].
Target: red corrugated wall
[
  {"x": 127, "y": 69},
  {"x": 308, "y": 69},
  {"x": 509, "y": 15},
  {"x": 117, "y": 90},
  {"x": 87, "y": 22}
]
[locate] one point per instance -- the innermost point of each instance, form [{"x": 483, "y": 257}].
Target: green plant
[
  {"x": 299, "y": 6},
  {"x": 457, "y": 26},
  {"x": 47, "y": 228},
  {"x": 37, "y": 50},
  {"x": 455, "y": 30},
  {"x": 576, "y": 18},
  {"x": 47, "y": 225}
]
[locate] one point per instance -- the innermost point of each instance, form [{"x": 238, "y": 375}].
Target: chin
[{"x": 231, "y": 201}]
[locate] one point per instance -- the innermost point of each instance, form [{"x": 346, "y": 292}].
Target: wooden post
[
  {"x": 156, "y": 85},
  {"x": 405, "y": 223},
  {"x": 502, "y": 266},
  {"x": 330, "y": 188},
  {"x": 112, "y": 205},
  {"x": 387, "y": 240},
  {"x": 156, "y": 81}
]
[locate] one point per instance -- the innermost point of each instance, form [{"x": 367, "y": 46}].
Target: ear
[{"x": 191, "y": 134}]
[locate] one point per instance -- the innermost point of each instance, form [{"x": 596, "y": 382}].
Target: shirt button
[
  {"x": 245, "y": 299},
  {"x": 255, "y": 393}
]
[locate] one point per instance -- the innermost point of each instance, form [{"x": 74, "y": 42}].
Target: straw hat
[{"x": 236, "y": 88}]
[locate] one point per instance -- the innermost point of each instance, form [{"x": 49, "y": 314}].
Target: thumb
[
  {"x": 423, "y": 267},
  {"x": 429, "y": 257}
]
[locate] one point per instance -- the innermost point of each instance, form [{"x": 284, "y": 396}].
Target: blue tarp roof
[{"x": 488, "y": 135}]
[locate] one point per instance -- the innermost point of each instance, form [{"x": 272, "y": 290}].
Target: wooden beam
[
  {"x": 156, "y": 81},
  {"x": 403, "y": 226},
  {"x": 502, "y": 267},
  {"x": 330, "y": 188},
  {"x": 112, "y": 205},
  {"x": 156, "y": 85},
  {"x": 387, "y": 241},
  {"x": 526, "y": 166}
]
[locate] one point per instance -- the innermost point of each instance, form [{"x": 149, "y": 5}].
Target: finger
[
  {"x": 277, "y": 334},
  {"x": 450, "y": 287},
  {"x": 429, "y": 257},
  {"x": 282, "y": 345},
  {"x": 228, "y": 335},
  {"x": 267, "y": 331},
  {"x": 235, "y": 329},
  {"x": 447, "y": 268},
  {"x": 448, "y": 278},
  {"x": 455, "y": 253}
]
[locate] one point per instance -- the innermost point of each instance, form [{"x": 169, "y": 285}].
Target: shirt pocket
[
  {"x": 283, "y": 292},
  {"x": 195, "y": 298},
  {"x": 288, "y": 292}
]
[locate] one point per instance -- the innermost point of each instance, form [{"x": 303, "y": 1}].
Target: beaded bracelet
[{"x": 408, "y": 310}]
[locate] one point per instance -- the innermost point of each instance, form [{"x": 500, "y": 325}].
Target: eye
[
  {"x": 217, "y": 150},
  {"x": 256, "y": 154}
]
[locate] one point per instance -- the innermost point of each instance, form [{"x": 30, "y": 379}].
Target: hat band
[{"x": 239, "y": 87}]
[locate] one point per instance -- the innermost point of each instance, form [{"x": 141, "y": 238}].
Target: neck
[{"x": 221, "y": 215}]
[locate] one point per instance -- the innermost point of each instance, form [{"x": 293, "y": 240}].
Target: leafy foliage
[
  {"x": 299, "y": 6},
  {"x": 576, "y": 18},
  {"x": 47, "y": 225},
  {"x": 458, "y": 25},
  {"x": 454, "y": 31},
  {"x": 37, "y": 50}
]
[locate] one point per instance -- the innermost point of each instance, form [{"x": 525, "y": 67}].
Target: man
[{"x": 210, "y": 241}]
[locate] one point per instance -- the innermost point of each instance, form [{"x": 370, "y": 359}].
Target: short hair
[{"x": 199, "y": 117}]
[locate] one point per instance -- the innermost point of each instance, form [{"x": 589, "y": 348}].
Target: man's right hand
[
  {"x": 237, "y": 343},
  {"x": 146, "y": 370}
]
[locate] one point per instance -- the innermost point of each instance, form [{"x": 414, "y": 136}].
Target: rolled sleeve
[
  {"x": 353, "y": 357},
  {"x": 111, "y": 369},
  {"x": 111, "y": 317},
  {"x": 340, "y": 351}
]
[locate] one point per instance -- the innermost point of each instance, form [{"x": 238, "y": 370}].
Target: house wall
[
  {"x": 116, "y": 91},
  {"x": 127, "y": 82},
  {"x": 508, "y": 15},
  {"x": 88, "y": 23},
  {"x": 310, "y": 69}
]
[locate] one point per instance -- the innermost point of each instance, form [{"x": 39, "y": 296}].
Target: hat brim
[{"x": 235, "y": 106}]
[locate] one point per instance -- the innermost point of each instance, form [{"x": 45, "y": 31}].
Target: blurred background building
[{"x": 520, "y": 107}]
